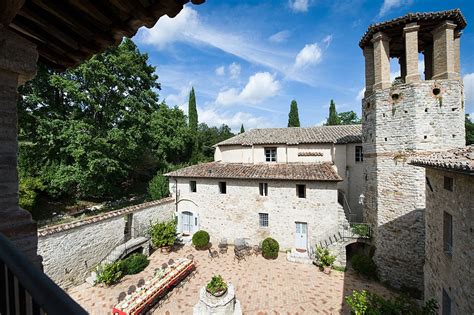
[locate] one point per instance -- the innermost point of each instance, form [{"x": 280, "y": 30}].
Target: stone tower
[{"x": 410, "y": 116}]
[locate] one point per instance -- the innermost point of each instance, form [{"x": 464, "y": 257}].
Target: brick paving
[{"x": 262, "y": 286}]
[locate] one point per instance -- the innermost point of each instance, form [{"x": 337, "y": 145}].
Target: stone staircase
[{"x": 299, "y": 257}]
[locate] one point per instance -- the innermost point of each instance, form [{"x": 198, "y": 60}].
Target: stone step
[{"x": 298, "y": 257}]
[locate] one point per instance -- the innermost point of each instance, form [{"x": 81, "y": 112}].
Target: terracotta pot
[
  {"x": 327, "y": 270},
  {"x": 166, "y": 249}
]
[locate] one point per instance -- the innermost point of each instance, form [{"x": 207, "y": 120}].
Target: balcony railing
[
  {"x": 24, "y": 289},
  {"x": 356, "y": 230}
]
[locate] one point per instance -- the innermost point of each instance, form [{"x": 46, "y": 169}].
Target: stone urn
[{"x": 225, "y": 304}]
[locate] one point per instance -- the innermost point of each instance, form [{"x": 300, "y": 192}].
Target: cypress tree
[
  {"x": 192, "y": 112},
  {"x": 242, "y": 130},
  {"x": 333, "y": 118},
  {"x": 293, "y": 117}
]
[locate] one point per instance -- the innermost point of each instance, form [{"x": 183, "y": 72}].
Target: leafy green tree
[
  {"x": 242, "y": 129},
  {"x": 192, "y": 111},
  {"x": 349, "y": 118},
  {"x": 158, "y": 187},
  {"x": 293, "y": 117},
  {"x": 469, "y": 130},
  {"x": 333, "y": 118}
]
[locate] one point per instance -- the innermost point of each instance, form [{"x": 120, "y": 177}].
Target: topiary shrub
[
  {"x": 364, "y": 265},
  {"x": 109, "y": 273},
  {"x": 163, "y": 234},
  {"x": 134, "y": 264},
  {"x": 201, "y": 239},
  {"x": 270, "y": 248}
]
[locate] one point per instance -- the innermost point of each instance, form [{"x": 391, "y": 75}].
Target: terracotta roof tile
[
  {"x": 290, "y": 171},
  {"x": 459, "y": 160},
  {"x": 297, "y": 135}
]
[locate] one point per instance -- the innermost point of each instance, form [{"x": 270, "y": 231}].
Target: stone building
[
  {"x": 280, "y": 182},
  {"x": 411, "y": 116},
  {"x": 449, "y": 217}
]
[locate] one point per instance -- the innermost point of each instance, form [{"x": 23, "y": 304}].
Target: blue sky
[{"x": 248, "y": 59}]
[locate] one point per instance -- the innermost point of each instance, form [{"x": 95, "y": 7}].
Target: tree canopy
[
  {"x": 293, "y": 117},
  {"x": 469, "y": 130},
  {"x": 349, "y": 118}
]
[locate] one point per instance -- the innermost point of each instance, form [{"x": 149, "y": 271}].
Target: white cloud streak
[
  {"x": 298, "y": 5},
  {"x": 468, "y": 80},
  {"x": 234, "y": 70},
  {"x": 220, "y": 71},
  {"x": 280, "y": 37},
  {"x": 311, "y": 54},
  {"x": 392, "y": 4}
]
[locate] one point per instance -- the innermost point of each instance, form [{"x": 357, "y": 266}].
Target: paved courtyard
[{"x": 262, "y": 286}]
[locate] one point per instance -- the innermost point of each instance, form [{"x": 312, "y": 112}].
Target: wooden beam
[{"x": 8, "y": 10}]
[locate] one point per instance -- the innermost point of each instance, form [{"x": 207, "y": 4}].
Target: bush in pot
[
  {"x": 270, "y": 248},
  {"x": 201, "y": 239},
  {"x": 217, "y": 286},
  {"x": 163, "y": 234},
  {"x": 324, "y": 259}
]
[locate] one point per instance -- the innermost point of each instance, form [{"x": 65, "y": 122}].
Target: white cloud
[
  {"x": 360, "y": 95},
  {"x": 212, "y": 117},
  {"x": 327, "y": 40},
  {"x": 234, "y": 70},
  {"x": 311, "y": 54},
  {"x": 220, "y": 70},
  {"x": 469, "y": 91},
  {"x": 392, "y": 4},
  {"x": 261, "y": 85},
  {"x": 298, "y": 5},
  {"x": 179, "y": 99},
  {"x": 280, "y": 37}
]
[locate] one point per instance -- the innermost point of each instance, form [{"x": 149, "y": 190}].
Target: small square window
[
  {"x": 263, "y": 189},
  {"x": 263, "y": 219},
  {"x": 270, "y": 154},
  {"x": 223, "y": 187},
  {"x": 448, "y": 233},
  {"x": 301, "y": 191},
  {"x": 359, "y": 155},
  {"x": 192, "y": 186},
  {"x": 448, "y": 183}
]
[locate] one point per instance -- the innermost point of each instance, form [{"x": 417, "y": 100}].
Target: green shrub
[
  {"x": 270, "y": 248},
  {"x": 216, "y": 284},
  {"x": 201, "y": 239},
  {"x": 28, "y": 191},
  {"x": 158, "y": 187},
  {"x": 367, "y": 303},
  {"x": 163, "y": 234},
  {"x": 323, "y": 257},
  {"x": 364, "y": 265},
  {"x": 134, "y": 264},
  {"x": 362, "y": 230},
  {"x": 109, "y": 273}
]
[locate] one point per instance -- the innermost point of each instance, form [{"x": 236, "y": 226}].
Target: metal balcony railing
[
  {"x": 356, "y": 230},
  {"x": 26, "y": 290}
]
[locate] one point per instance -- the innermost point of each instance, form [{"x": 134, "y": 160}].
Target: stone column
[
  {"x": 381, "y": 61},
  {"x": 428, "y": 58},
  {"x": 369, "y": 70},
  {"x": 17, "y": 65},
  {"x": 410, "y": 32},
  {"x": 443, "y": 51},
  {"x": 457, "y": 53}
]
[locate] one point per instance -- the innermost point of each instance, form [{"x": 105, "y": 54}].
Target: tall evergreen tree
[
  {"x": 242, "y": 129},
  {"x": 469, "y": 130},
  {"x": 333, "y": 118},
  {"x": 192, "y": 112},
  {"x": 293, "y": 117}
]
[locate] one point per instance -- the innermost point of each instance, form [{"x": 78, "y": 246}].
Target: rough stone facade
[
  {"x": 398, "y": 122},
  {"x": 71, "y": 251},
  {"x": 236, "y": 213},
  {"x": 453, "y": 273}
]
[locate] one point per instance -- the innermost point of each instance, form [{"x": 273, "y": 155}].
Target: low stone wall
[{"x": 71, "y": 251}]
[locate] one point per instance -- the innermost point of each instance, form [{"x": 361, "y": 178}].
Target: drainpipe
[
  {"x": 176, "y": 195},
  {"x": 333, "y": 153},
  {"x": 286, "y": 151}
]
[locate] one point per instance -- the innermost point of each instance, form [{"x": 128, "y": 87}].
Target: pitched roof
[
  {"x": 297, "y": 135},
  {"x": 307, "y": 171},
  {"x": 457, "y": 160},
  {"x": 427, "y": 21}
]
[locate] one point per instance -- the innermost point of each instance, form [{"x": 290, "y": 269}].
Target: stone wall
[
  {"x": 71, "y": 251},
  {"x": 398, "y": 122},
  {"x": 455, "y": 273},
  {"x": 236, "y": 213}
]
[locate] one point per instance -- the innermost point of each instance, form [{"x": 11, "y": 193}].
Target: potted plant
[
  {"x": 324, "y": 259},
  {"x": 216, "y": 287},
  {"x": 163, "y": 235}
]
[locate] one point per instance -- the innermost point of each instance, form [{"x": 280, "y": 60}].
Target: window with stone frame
[
  {"x": 359, "y": 154},
  {"x": 447, "y": 233},
  {"x": 448, "y": 183},
  {"x": 301, "y": 191},
  {"x": 271, "y": 154},
  {"x": 192, "y": 186},
  {"x": 223, "y": 187},
  {"x": 263, "y": 189},
  {"x": 446, "y": 304},
  {"x": 263, "y": 219}
]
